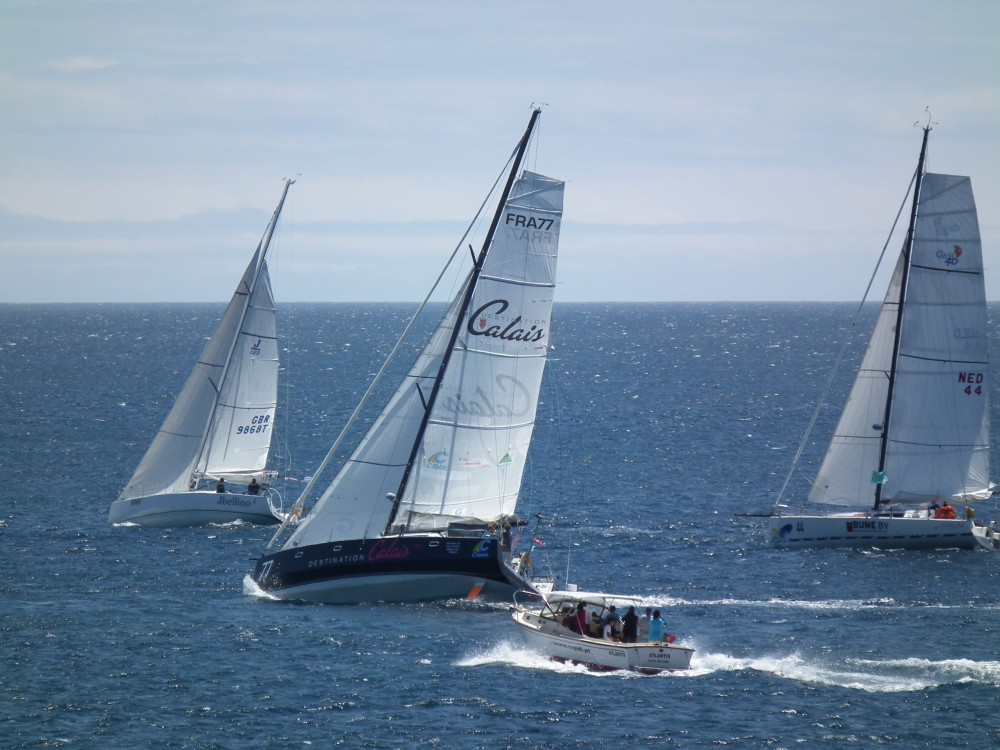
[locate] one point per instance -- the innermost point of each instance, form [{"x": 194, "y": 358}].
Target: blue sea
[{"x": 658, "y": 424}]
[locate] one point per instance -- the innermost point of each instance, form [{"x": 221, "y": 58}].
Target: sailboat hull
[
  {"x": 409, "y": 568},
  {"x": 863, "y": 530},
  {"x": 193, "y": 509}
]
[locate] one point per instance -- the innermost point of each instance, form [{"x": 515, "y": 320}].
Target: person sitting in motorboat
[
  {"x": 630, "y": 626},
  {"x": 656, "y": 624},
  {"x": 611, "y": 632},
  {"x": 581, "y": 618},
  {"x": 612, "y": 616},
  {"x": 596, "y": 627},
  {"x": 569, "y": 620}
]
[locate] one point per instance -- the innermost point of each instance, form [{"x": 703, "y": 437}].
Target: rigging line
[{"x": 843, "y": 348}]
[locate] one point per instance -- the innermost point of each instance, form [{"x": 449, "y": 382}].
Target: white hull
[
  {"x": 551, "y": 638},
  {"x": 865, "y": 530},
  {"x": 193, "y": 509}
]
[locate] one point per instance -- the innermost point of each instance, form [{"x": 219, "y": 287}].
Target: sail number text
[
  {"x": 973, "y": 383},
  {"x": 529, "y": 222},
  {"x": 257, "y": 424}
]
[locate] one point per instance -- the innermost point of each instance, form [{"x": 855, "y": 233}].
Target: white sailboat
[
  {"x": 418, "y": 510},
  {"x": 208, "y": 462},
  {"x": 914, "y": 434}
]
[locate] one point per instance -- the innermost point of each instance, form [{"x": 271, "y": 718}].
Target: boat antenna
[{"x": 466, "y": 301}]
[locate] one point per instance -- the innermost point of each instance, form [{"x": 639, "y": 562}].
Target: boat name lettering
[
  {"x": 478, "y": 324},
  {"x": 529, "y": 222},
  {"x": 482, "y": 405},
  {"x": 227, "y": 500},
  {"x": 970, "y": 377},
  {"x": 323, "y": 562},
  {"x": 391, "y": 550},
  {"x": 867, "y": 525}
]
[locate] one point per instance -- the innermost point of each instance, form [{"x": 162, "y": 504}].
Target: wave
[
  {"x": 868, "y": 675},
  {"x": 849, "y": 605},
  {"x": 513, "y": 653},
  {"x": 251, "y": 589}
]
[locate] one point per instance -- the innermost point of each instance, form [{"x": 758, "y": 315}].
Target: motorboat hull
[
  {"x": 405, "y": 568},
  {"x": 551, "y": 638},
  {"x": 868, "y": 530},
  {"x": 197, "y": 508}
]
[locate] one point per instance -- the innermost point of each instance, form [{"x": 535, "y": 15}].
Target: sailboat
[
  {"x": 208, "y": 462},
  {"x": 914, "y": 435},
  {"x": 422, "y": 508}
]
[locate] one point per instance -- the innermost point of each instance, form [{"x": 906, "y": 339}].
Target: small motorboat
[{"x": 546, "y": 626}]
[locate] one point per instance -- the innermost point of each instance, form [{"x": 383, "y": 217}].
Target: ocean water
[{"x": 658, "y": 424}]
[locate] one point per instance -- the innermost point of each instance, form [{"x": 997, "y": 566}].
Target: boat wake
[
  {"x": 868, "y": 675},
  {"x": 251, "y": 589},
  {"x": 513, "y": 653},
  {"x": 845, "y": 605}
]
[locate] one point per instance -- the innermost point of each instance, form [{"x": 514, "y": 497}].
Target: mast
[
  {"x": 907, "y": 250},
  {"x": 469, "y": 290},
  {"x": 262, "y": 248}
]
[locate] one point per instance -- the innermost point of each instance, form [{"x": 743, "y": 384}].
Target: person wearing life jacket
[{"x": 945, "y": 511}]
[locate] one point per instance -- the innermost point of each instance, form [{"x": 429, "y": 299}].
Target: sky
[{"x": 713, "y": 150}]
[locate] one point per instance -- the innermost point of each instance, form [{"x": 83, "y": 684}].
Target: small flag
[
  {"x": 878, "y": 477},
  {"x": 539, "y": 541}
]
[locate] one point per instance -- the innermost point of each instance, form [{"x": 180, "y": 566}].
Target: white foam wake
[{"x": 869, "y": 675}]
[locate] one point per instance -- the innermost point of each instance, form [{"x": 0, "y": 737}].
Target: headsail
[
  {"x": 221, "y": 423},
  {"x": 938, "y": 435}
]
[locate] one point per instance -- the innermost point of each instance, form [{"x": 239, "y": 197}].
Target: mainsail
[
  {"x": 221, "y": 424},
  {"x": 936, "y": 444},
  {"x": 460, "y": 455}
]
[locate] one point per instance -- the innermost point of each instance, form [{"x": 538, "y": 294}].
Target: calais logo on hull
[{"x": 482, "y": 549}]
